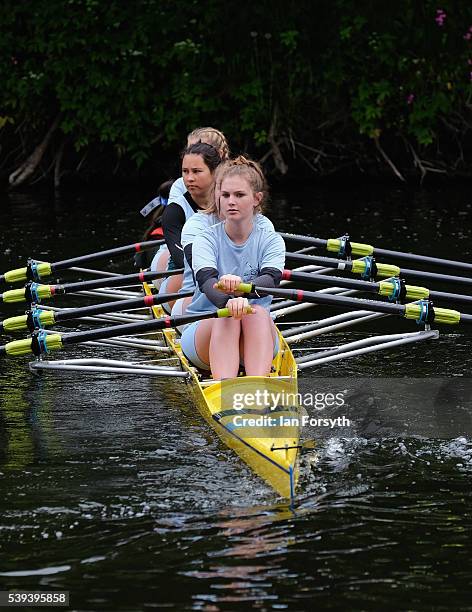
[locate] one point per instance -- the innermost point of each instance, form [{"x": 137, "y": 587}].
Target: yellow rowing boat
[{"x": 266, "y": 436}]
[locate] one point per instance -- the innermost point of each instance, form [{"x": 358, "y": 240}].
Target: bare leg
[
  {"x": 224, "y": 348},
  {"x": 160, "y": 266},
  {"x": 217, "y": 343},
  {"x": 173, "y": 285},
  {"x": 162, "y": 262},
  {"x": 220, "y": 342},
  {"x": 258, "y": 331}
]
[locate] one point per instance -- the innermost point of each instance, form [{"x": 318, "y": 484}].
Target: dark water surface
[{"x": 114, "y": 489}]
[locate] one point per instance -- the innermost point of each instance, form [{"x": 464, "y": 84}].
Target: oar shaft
[
  {"x": 142, "y": 302},
  {"x": 385, "y": 288},
  {"x": 451, "y": 297},
  {"x": 426, "y": 259},
  {"x": 311, "y": 240},
  {"x": 130, "y": 329},
  {"x": 42, "y": 343},
  {"x": 433, "y": 276},
  {"x": 115, "y": 281},
  {"x": 339, "y": 264},
  {"x": 378, "y": 252},
  {"x": 37, "y": 270},
  {"x": 37, "y": 318},
  {"x": 129, "y": 248},
  {"x": 34, "y": 293},
  {"x": 317, "y": 260},
  {"x": 322, "y": 279},
  {"x": 141, "y": 327},
  {"x": 333, "y": 300},
  {"x": 421, "y": 311}
]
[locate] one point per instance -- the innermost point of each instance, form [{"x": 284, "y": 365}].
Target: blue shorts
[
  {"x": 187, "y": 344},
  {"x": 177, "y": 310}
]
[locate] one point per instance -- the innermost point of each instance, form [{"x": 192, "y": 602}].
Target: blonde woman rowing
[{"x": 236, "y": 250}]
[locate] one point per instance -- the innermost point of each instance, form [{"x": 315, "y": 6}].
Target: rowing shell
[{"x": 266, "y": 437}]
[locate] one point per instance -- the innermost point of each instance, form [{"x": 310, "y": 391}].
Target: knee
[
  {"x": 260, "y": 317},
  {"x": 226, "y": 327}
]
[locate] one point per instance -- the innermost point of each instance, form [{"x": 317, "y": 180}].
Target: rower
[
  {"x": 197, "y": 224},
  {"x": 178, "y": 189},
  {"x": 210, "y": 136},
  {"x": 199, "y": 162},
  {"x": 226, "y": 254}
]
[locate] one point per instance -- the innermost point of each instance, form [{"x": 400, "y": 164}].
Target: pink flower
[
  {"x": 468, "y": 36},
  {"x": 440, "y": 17},
  {"x": 410, "y": 99}
]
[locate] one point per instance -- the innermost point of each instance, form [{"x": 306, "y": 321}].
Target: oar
[
  {"x": 42, "y": 342},
  {"x": 422, "y": 312},
  {"x": 343, "y": 246},
  {"x": 37, "y": 318},
  {"x": 35, "y": 270},
  {"x": 363, "y": 267},
  {"x": 34, "y": 293},
  {"x": 393, "y": 288}
]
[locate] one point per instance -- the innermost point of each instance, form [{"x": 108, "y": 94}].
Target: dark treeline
[{"x": 94, "y": 89}]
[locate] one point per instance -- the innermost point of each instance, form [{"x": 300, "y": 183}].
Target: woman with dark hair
[{"x": 199, "y": 162}]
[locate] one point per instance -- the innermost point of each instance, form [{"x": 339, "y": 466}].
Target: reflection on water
[{"x": 113, "y": 488}]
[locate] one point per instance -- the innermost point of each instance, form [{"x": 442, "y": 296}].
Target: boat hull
[{"x": 265, "y": 433}]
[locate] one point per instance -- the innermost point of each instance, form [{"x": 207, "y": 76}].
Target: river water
[{"x": 114, "y": 489}]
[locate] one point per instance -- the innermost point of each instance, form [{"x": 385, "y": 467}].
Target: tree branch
[
  {"x": 395, "y": 170},
  {"x": 29, "y": 166}
]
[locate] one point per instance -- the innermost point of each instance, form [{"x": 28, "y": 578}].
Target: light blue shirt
[
  {"x": 177, "y": 189},
  {"x": 195, "y": 226},
  {"x": 214, "y": 249}
]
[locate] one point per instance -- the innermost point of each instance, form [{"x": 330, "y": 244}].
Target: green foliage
[{"x": 125, "y": 75}]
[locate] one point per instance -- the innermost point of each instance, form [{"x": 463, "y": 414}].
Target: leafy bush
[{"x": 328, "y": 85}]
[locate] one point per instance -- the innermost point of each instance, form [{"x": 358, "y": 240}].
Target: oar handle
[
  {"x": 241, "y": 288},
  {"x": 224, "y": 312}
]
